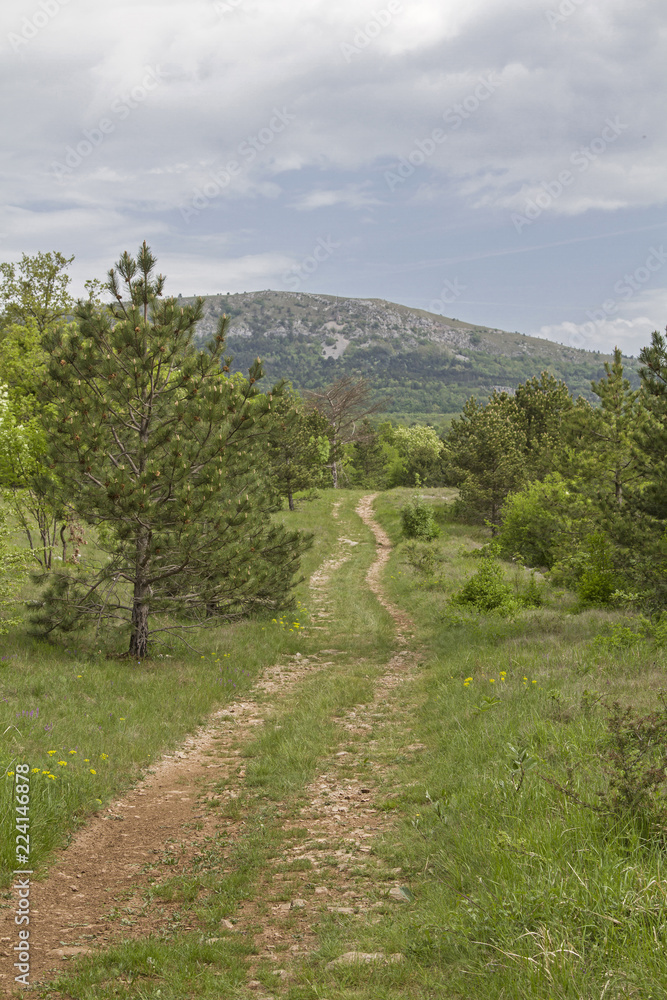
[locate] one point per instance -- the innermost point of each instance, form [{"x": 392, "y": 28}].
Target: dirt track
[{"x": 164, "y": 819}]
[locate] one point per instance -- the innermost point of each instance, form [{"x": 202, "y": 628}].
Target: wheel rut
[{"x": 96, "y": 891}]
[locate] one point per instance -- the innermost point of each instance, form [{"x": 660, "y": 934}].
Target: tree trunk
[
  {"x": 140, "y": 604},
  {"x": 290, "y": 499},
  {"x": 139, "y": 637}
]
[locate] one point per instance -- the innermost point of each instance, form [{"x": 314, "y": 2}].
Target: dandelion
[
  {"x": 51, "y": 752},
  {"x": 78, "y": 676},
  {"x": 92, "y": 770},
  {"x": 35, "y": 770},
  {"x": 122, "y": 718},
  {"x": 72, "y": 751},
  {"x": 63, "y": 763},
  {"x": 492, "y": 680},
  {"x": 45, "y": 772},
  {"x": 533, "y": 682},
  {"x": 51, "y": 776}
]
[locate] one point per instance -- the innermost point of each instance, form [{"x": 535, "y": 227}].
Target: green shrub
[
  {"x": 422, "y": 557},
  {"x": 598, "y": 580},
  {"x": 542, "y": 520},
  {"x": 418, "y": 519},
  {"x": 487, "y": 590}
]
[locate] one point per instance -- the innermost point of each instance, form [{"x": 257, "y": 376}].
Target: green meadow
[{"x": 529, "y": 869}]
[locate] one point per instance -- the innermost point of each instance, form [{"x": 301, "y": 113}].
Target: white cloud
[
  {"x": 222, "y": 70},
  {"x": 354, "y": 195},
  {"x": 604, "y": 330}
]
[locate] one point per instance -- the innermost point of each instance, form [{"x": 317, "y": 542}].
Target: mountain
[{"x": 427, "y": 365}]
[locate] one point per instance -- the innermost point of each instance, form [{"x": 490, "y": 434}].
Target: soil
[{"x": 163, "y": 823}]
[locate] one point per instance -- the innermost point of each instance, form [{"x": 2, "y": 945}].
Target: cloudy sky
[{"x": 499, "y": 161}]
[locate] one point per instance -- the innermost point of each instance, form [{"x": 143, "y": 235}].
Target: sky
[{"x": 501, "y": 162}]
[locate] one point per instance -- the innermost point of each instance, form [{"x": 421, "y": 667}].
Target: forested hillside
[{"x": 427, "y": 365}]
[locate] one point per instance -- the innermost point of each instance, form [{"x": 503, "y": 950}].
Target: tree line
[{"x": 116, "y": 427}]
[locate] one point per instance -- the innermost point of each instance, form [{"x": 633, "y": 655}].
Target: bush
[
  {"x": 541, "y": 521},
  {"x": 486, "y": 590},
  {"x": 598, "y": 580},
  {"x": 418, "y": 519}
]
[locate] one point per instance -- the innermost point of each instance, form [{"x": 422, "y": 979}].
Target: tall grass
[
  {"x": 521, "y": 890},
  {"x": 88, "y": 726}
]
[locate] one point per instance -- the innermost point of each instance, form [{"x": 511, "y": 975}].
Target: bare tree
[{"x": 344, "y": 404}]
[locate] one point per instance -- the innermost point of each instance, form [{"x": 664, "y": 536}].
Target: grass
[
  {"x": 520, "y": 891},
  {"x": 67, "y": 711},
  {"x": 514, "y": 889}
]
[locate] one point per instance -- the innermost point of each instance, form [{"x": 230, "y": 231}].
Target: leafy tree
[
  {"x": 545, "y": 521},
  {"x": 421, "y": 452},
  {"x": 35, "y": 299},
  {"x": 34, "y": 291},
  {"x": 345, "y": 404},
  {"x": 298, "y": 446},
  {"x": 159, "y": 450},
  {"x": 13, "y": 563},
  {"x": 21, "y": 444}
]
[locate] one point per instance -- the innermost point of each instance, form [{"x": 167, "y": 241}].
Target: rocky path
[{"x": 98, "y": 889}]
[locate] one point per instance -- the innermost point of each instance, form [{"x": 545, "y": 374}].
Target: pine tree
[
  {"x": 485, "y": 453},
  {"x": 160, "y": 450},
  {"x": 605, "y": 456},
  {"x": 298, "y": 446},
  {"x": 544, "y": 403},
  {"x": 652, "y": 435},
  {"x": 368, "y": 458}
]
